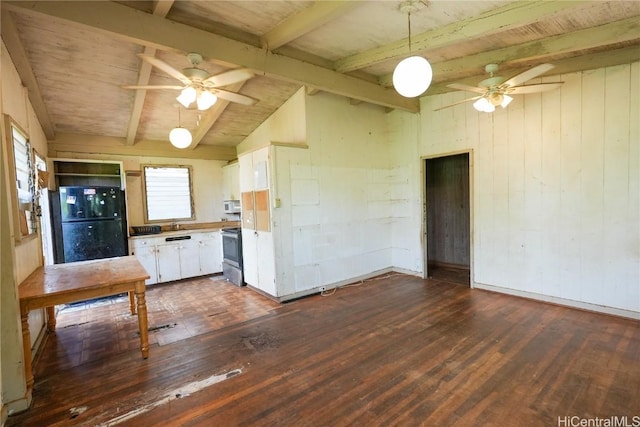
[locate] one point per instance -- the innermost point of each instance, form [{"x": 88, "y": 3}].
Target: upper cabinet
[
  {"x": 88, "y": 173},
  {"x": 231, "y": 181}
]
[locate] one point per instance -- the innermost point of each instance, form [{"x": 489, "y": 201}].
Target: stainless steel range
[{"x": 232, "y": 255}]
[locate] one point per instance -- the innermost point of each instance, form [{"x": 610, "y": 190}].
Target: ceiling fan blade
[
  {"x": 467, "y": 88},
  {"x": 228, "y": 77},
  {"x": 233, "y": 97},
  {"x": 165, "y": 67},
  {"x": 153, "y": 87},
  {"x": 459, "y": 102},
  {"x": 541, "y": 87},
  {"x": 527, "y": 75}
]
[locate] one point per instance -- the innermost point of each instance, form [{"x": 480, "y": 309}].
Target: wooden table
[{"x": 77, "y": 281}]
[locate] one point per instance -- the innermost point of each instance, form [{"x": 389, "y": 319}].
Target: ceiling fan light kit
[
  {"x": 413, "y": 75},
  {"x": 198, "y": 85},
  {"x": 495, "y": 90},
  {"x": 187, "y": 96},
  {"x": 203, "y": 98}
]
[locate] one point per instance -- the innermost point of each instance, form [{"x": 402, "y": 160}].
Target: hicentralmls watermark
[{"x": 612, "y": 421}]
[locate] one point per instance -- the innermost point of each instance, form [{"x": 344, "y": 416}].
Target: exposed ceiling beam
[
  {"x": 212, "y": 115},
  {"x": 161, "y": 8},
  {"x": 146, "y": 29},
  {"x": 21, "y": 61},
  {"x": 537, "y": 50},
  {"x": 316, "y": 15},
  {"x": 608, "y": 58},
  {"x": 100, "y": 145},
  {"x": 510, "y": 16}
]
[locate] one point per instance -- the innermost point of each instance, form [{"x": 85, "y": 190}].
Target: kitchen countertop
[{"x": 189, "y": 229}]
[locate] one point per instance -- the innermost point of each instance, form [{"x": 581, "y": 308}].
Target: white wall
[
  {"x": 342, "y": 200},
  {"x": 556, "y": 187}
]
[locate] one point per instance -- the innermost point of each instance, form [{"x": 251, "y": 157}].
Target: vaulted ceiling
[{"x": 75, "y": 56}]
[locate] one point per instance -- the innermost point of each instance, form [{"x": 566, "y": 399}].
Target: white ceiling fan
[
  {"x": 495, "y": 91},
  {"x": 198, "y": 85}
]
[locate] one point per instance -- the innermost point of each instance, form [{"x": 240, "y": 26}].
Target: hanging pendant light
[
  {"x": 412, "y": 76},
  {"x": 180, "y": 137}
]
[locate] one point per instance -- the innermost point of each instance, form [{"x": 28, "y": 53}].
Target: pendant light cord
[{"x": 409, "y": 25}]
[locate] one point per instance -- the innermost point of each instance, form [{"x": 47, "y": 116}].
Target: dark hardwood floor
[{"x": 396, "y": 351}]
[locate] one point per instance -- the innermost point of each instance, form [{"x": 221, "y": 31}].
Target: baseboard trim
[{"x": 560, "y": 301}]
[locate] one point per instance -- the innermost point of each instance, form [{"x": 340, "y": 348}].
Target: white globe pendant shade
[
  {"x": 412, "y": 76},
  {"x": 180, "y": 137}
]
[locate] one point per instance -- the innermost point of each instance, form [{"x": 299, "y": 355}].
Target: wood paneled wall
[{"x": 556, "y": 187}]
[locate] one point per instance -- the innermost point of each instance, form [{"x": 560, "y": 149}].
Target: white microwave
[{"x": 232, "y": 206}]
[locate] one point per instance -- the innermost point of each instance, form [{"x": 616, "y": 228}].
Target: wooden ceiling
[{"x": 74, "y": 56}]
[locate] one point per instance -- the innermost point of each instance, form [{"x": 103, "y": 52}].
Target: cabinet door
[
  {"x": 189, "y": 258},
  {"x": 231, "y": 181},
  {"x": 168, "y": 262},
  {"x": 145, "y": 251},
  {"x": 210, "y": 253}
]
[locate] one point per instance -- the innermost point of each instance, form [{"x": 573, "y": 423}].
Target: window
[
  {"x": 25, "y": 221},
  {"x": 168, "y": 193}
]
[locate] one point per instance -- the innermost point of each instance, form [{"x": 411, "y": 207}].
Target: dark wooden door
[{"x": 448, "y": 211}]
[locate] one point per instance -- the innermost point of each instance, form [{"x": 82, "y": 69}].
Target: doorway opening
[{"x": 448, "y": 218}]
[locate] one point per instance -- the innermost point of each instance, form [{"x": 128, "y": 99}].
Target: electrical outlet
[{"x": 322, "y": 288}]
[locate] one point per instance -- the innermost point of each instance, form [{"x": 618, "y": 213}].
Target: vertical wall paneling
[
  {"x": 500, "y": 196},
  {"x": 484, "y": 208},
  {"x": 556, "y": 188},
  {"x": 532, "y": 191},
  {"x": 515, "y": 190},
  {"x": 633, "y": 249},
  {"x": 570, "y": 154},
  {"x": 592, "y": 204},
  {"x": 552, "y": 251},
  {"x": 616, "y": 186}
]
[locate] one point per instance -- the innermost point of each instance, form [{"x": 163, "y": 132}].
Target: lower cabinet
[{"x": 166, "y": 261}]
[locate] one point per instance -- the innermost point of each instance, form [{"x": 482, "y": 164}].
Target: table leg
[
  {"x": 132, "y": 303},
  {"x": 51, "y": 318},
  {"x": 26, "y": 345},
  {"x": 142, "y": 318}
]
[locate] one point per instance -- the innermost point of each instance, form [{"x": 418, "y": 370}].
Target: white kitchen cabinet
[
  {"x": 268, "y": 225},
  {"x": 257, "y": 237},
  {"x": 189, "y": 258},
  {"x": 166, "y": 261},
  {"x": 145, "y": 251},
  {"x": 231, "y": 181},
  {"x": 168, "y": 258},
  {"x": 210, "y": 253}
]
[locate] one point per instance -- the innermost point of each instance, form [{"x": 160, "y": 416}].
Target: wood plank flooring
[{"x": 394, "y": 351}]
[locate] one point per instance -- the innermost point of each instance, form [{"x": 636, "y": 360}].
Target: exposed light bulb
[
  {"x": 187, "y": 96},
  {"x": 412, "y": 76},
  {"x": 506, "y": 100},
  {"x": 484, "y": 105},
  {"x": 206, "y": 99},
  {"x": 180, "y": 137}
]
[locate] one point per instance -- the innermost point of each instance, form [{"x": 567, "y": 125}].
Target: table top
[{"x": 60, "y": 279}]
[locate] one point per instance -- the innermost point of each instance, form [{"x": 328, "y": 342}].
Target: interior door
[{"x": 448, "y": 222}]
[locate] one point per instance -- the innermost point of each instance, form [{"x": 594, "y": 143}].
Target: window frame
[
  {"x": 17, "y": 211},
  {"x": 145, "y": 196}
]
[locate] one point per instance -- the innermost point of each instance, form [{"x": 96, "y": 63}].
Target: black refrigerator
[{"x": 88, "y": 223}]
